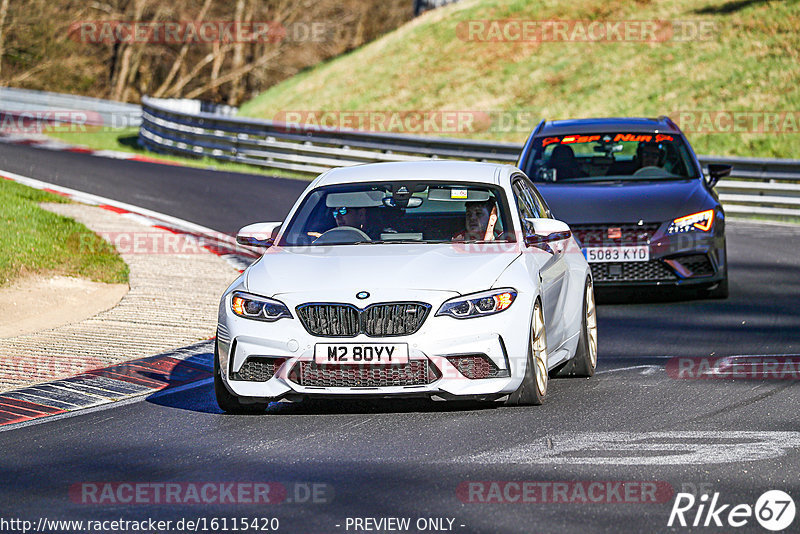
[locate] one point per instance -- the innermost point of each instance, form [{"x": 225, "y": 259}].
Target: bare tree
[
  {"x": 178, "y": 63},
  {"x": 125, "y": 62},
  {"x": 238, "y": 56},
  {"x": 46, "y": 56}
]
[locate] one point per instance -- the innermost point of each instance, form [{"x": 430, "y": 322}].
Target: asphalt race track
[
  {"x": 220, "y": 200},
  {"x": 634, "y": 422}
]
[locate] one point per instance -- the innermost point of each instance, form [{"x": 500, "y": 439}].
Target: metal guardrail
[
  {"x": 305, "y": 149},
  {"x": 103, "y": 112},
  {"x": 766, "y": 187}
]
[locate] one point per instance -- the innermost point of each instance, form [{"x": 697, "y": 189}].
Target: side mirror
[
  {"x": 546, "y": 231},
  {"x": 717, "y": 171},
  {"x": 258, "y": 234}
]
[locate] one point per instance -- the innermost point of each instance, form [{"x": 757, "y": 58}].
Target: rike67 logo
[{"x": 774, "y": 510}]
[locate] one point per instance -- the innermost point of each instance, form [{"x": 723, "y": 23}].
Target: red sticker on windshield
[
  {"x": 633, "y": 138},
  {"x": 579, "y": 139},
  {"x": 550, "y": 141}
]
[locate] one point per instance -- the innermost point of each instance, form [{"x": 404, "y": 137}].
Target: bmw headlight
[
  {"x": 702, "y": 220},
  {"x": 258, "y": 308},
  {"x": 479, "y": 304}
]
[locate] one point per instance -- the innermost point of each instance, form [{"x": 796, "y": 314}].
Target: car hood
[
  {"x": 441, "y": 267},
  {"x": 626, "y": 201}
]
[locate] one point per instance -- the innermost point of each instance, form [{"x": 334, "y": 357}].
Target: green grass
[
  {"x": 36, "y": 241},
  {"x": 750, "y": 63},
  {"x": 125, "y": 140}
]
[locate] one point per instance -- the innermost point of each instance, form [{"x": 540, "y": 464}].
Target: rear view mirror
[
  {"x": 546, "y": 175},
  {"x": 258, "y": 234},
  {"x": 413, "y": 202}
]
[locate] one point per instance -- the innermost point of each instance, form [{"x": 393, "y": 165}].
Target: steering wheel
[
  {"x": 652, "y": 171},
  {"x": 341, "y": 236}
]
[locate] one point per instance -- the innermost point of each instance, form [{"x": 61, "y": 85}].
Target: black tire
[
  {"x": 227, "y": 401},
  {"x": 583, "y": 364},
  {"x": 530, "y": 392}
]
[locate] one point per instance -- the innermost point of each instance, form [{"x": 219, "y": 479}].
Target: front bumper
[
  {"x": 688, "y": 259},
  {"x": 261, "y": 360}
]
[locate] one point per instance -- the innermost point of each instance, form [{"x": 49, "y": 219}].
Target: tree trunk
[
  {"x": 219, "y": 57},
  {"x": 238, "y": 56},
  {"x": 178, "y": 63},
  {"x": 3, "y": 12},
  {"x": 125, "y": 62}
]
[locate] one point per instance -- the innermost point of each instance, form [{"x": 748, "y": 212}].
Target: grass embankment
[
  {"x": 747, "y": 63},
  {"x": 36, "y": 241},
  {"x": 125, "y": 140}
]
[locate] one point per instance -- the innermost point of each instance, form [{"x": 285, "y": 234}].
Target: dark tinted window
[
  {"x": 527, "y": 204},
  {"x": 391, "y": 212},
  {"x": 621, "y": 155}
]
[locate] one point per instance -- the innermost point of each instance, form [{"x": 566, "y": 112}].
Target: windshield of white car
[
  {"x": 392, "y": 213},
  {"x": 610, "y": 156}
]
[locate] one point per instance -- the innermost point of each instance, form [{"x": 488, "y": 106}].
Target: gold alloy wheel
[
  {"x": 539, "y": 351},
  {"x": 591, "y": 325}
]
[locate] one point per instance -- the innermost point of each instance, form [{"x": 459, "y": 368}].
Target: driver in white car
[
  {"x": 352, "y": 217},
  {"x": 344, "y": 216},
  {"x": 480, "y": 219}
]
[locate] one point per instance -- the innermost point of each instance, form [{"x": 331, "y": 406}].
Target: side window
[
  {"x": 540, "y": 203},
  {"x": 525, "y": 204}
]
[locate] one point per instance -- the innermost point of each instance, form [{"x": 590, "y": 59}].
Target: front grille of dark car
[
  {"x": 476, "y": 366},
  {"x": 635, "y": 271},
  {"x": 699, "y": 264},
  {"x": 597, "y": 235},
  {"x": 378, "y": 320},
  {"x": 414, "y": 373},
  {"x": 258, "y": 369}
]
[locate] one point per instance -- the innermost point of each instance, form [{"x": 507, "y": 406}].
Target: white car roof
[{"x": 462, "y": 171}]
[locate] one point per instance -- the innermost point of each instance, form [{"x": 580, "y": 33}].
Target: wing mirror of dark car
[
  {"x": 542, "y": 231},
  {"x": 717, "y": 171},
  {"x": 259, "y": 234}
]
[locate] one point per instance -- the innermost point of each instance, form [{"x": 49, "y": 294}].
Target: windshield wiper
[
  {"x": 620, "y": 178},
  {"x": 390, "y": 241},
  {"x": 481, "y": 241}
]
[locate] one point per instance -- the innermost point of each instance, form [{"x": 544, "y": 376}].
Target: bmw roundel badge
[{"x": 362, "y": 295}]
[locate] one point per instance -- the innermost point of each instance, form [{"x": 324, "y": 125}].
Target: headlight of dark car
[{"x": 701, "y": 221}]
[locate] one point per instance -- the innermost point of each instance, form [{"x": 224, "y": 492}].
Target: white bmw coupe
[{"x": 438, "y": 279}]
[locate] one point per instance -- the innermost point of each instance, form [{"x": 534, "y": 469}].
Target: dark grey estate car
[{"x": 634, "y": 194}]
